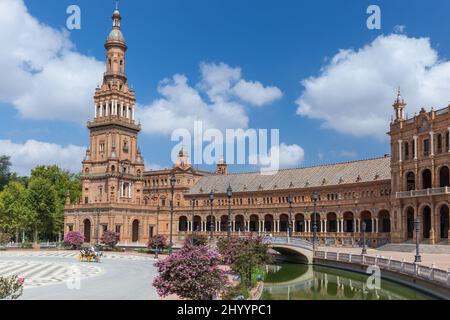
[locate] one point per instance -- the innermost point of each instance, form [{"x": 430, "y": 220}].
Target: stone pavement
[{"x": 441, "y": 261}]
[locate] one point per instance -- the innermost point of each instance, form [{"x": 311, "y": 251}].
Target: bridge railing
[
  {"x": 295, "y": 242},
  {"x": 415, "y": 270}
]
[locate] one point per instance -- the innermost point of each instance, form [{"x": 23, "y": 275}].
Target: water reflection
[{"x": 301, "y": 282}]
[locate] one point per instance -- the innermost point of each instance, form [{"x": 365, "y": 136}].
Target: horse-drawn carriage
[{"x": 90, "y": 255}]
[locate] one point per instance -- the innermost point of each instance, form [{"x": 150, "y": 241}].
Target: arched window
[
  {"x": 439, "y": 143},
  {"x": 410, "y": 181},
  {"x": 406, "y": 151},
  {"x": 447, "y": 141},
  {"x": 426, "y": 179},
  {"x": 444, "y": 177}
]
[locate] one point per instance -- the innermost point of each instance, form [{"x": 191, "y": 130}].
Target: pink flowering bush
[
  {"x": 11, "y": 287},
  {"x": 191, "y": 273},
  {"x": 74, "y": 240},
  {"x": 158, "y": 242},
  {"x": 110, "y": 239}
]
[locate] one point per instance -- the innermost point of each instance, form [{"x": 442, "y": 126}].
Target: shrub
[
  {"x": 26, "y": 245},
  {"x": 110, "y": 238},
  {"x": 191, "y": 273},
  {"x": 74, "y": 240},
  {"x": 11, "y": 288},
  {"x": 157, "y": 242},
  {"x": 197, "y": 240}
]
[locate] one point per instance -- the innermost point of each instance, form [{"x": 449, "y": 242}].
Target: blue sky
[{"x": 276, "y": 43}]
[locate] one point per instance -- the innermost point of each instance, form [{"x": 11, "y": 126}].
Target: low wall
[{"x": 437, "y": 289}]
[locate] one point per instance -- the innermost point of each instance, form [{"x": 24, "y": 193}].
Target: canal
[{"x": 301, "y": 282}]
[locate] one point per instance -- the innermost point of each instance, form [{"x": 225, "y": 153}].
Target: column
[
  {"x": 376, "y": 225},
  {"x": 247, "y": 226},
  {"x": 400, "y": 150},
  {"x": 95, "y": 111},
  {"x": 121, "y": 110},
  {"x": 132, "y": 114},
  {"x": 107, "y": 108},
  {"x": 325, "y": 225},
  {"x": 101, "y": 109},
  {"x": 127, "y": 111},
  {"x": 416, "y": 151},
  {"x": 432, "y": 143},
  {"x": 359, "y": 225}
]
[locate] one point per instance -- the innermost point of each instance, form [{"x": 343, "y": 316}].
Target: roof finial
[{"x": 117, "y": 4}]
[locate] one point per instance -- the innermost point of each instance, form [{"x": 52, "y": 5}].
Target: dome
[{"x": 116, "y": 35}]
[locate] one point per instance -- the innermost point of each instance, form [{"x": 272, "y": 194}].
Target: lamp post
[
  {"x": 290, "y": 217},
  {"x": 315, "y": 198},
  {"x": 172, "y": 190},
  {"x": 193, "y": 218},
  {"x": 157, "y": 232},
  {"x": 418, "y": 258},
  {"x": 211, "y": 223},
  {"x": 98, "y": 227},
  {"x": 363, "y": 226},
  {"x": 229, "y": 195}
]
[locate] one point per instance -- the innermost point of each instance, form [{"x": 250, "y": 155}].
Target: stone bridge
[{"x": 292, "y": 249}]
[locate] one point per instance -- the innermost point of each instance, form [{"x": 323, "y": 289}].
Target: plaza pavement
[
  {"x": 441, "y": 261},
  {"x": 59, "y": 275}
]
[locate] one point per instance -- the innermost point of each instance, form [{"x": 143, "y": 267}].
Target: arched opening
[
  {"x": 331, "y": 222},
  {"x": 284, "y": 223},
  {"x": 410, "y": 223},
  {"x": 426, "y": 179},
  {"x": 444, "y": 222},
  {"x": 349, "y": 222},
  {"x": 210, "y": 227},
  {"x": 316, "y": 222},
  {"x": 366, "y": 217},
  {"x": 254, "y": 223},
  {"x": 224, "y": 223},
  {"x": 239, "y": 224},
  {"x": 183, "y": 224},
  {"x": 268, "y": 223},
  {"x": 444, "y": 177},
  {"x": 197, "y": 223},
  {"x": 410, "y": 181},
  {"x": 87, "y": 230},
  {"x": 299, "y": 223},
  {"x": 384, "y": 219},
  {"x": 135, "y": 233},
  {"x": 426, "y": 222}
]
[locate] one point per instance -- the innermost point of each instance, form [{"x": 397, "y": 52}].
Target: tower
[
  {"x": 399, "y": 107},
  {"x": 113, "y": 168},
  {"x": 222, "y": 167}
]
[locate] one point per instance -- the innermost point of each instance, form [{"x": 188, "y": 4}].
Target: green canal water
[{"x": 301, "y": 282}]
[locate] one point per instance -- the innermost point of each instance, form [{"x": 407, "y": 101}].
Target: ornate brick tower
[{"x": 114, "y": 167}]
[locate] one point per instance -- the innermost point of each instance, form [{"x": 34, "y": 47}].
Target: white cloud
[
  {"x": 399, "y": 28},
  {"x": 355, "y": 91},
  {"x": 25, "y": 157},
  {"x": 286, "y": 156},
  {"x": 44, "y": 77},
  {"x": 218, "y": 100}
]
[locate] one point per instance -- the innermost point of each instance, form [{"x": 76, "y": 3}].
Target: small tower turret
[{"x": 399, "y": 107}]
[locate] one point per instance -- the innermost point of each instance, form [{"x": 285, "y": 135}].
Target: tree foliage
[
  {"x": 11, "y": 287},
  {"x": 245, "y": 255},
  {"x": 110, "y": 238},
  {"x": 74, "y": 240},
  {"x": 157, "y": 242},
  {"x": 5, "y": 171},
  {"x": 191, "y": 273}
]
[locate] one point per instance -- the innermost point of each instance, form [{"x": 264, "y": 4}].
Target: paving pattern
[
  {"x": 71, "y": 254},
  {"x": 44, "y": 273}
]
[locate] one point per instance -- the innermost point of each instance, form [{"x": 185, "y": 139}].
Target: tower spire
[{"x": 399, "y": 106}]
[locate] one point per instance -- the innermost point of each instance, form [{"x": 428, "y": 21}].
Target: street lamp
[
  {"x": 157, "y": 232},
  {"x": 315, "y": 198},
  {"x": 193, "y": 218},
  {"x": 172, "y": 190},
  {"x": 363, "y": 226},
  {"x": 98, "y": 226},
  {"x": 290, "y": 217},
  {"x": 418, "y": 258},
  {"x": 229, "y": 195},
  {"x": 211, "y": 223}
]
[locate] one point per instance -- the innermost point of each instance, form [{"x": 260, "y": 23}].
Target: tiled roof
[{"x": 310, "y": 177}]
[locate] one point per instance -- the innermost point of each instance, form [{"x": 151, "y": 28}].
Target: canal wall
[{"x": 431, "y": 287}]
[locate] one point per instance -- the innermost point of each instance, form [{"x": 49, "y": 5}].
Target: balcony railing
[{"x": 423, "y": 193}]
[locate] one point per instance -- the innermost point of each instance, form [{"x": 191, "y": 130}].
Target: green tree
[
  {"x": 43, "y": 201},
  {"x": 5, "y": 171},
  {"x": 15, "y": 211},
  {"x": 64, "y": 183}
]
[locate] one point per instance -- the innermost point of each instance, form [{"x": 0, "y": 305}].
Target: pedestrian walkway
[
  {"x": 439, "y": 260},
  {"x": 40, "y": 273},
  {"x": 71, "y": 254}
]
